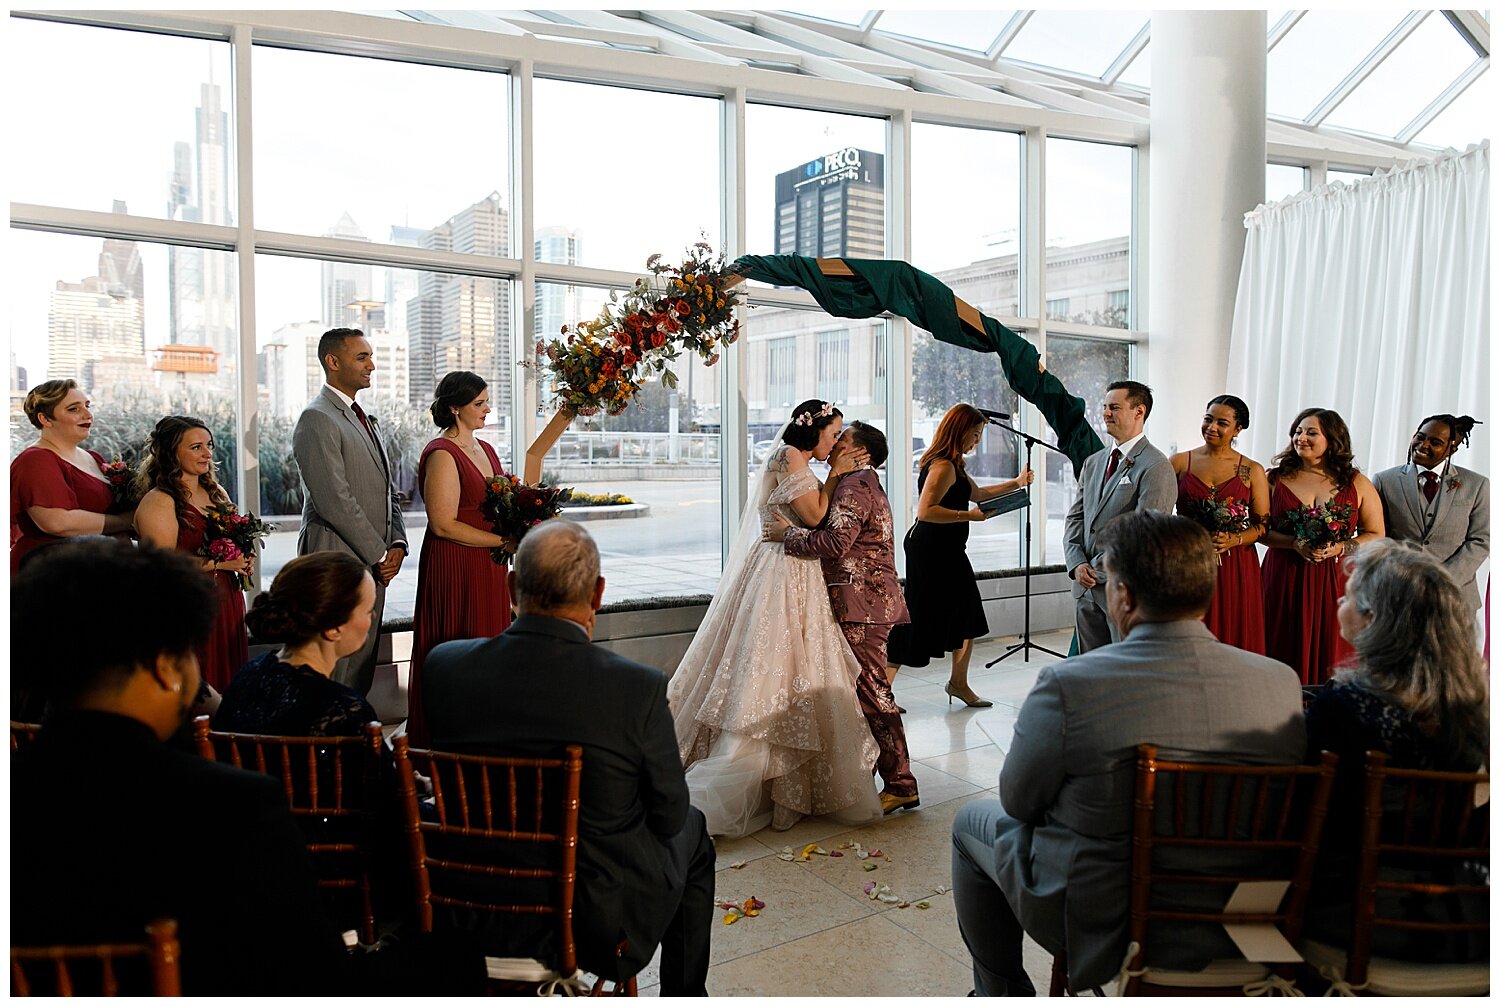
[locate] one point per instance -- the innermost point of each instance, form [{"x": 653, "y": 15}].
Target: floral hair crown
[{"x": 808, "y": 418}]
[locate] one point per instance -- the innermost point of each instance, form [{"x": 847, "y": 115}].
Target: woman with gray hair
[{"x": 1418, "y": 692}]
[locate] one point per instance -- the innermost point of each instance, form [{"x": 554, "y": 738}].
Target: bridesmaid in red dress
[
  {"x": 178, "y": 476},
  {"x": 1216, "y": 471},
  {"x": 57, "y": 487},
  {"x": 461, "y": 590},
  {"x": 1302, "y": 584}
]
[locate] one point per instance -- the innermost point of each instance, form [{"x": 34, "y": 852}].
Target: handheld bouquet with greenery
[
  {"x": 1319, "y": 525},
  {"x": 229, "y": 535},
  {"x": 513, "y": 508}
]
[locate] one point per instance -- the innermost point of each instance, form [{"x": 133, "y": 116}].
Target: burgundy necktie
[
  {"x": 1109, "y": 471},
  {"x": 1429, "y": 485},
  {"x": 364, "y": 421}
]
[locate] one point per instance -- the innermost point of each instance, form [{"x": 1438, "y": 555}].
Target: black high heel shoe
[{"x": 975, "y": 702}]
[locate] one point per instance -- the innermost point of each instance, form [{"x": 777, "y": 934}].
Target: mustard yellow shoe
[{"x": 891, "y": 802}]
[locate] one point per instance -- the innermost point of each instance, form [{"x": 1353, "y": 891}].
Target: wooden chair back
[
  {"x": 96, "y": 969},
  {"x": 1423, "y": 817},
  {"x": 501, "y": 838},
  {"x": 1248, "y": 818},
  {"x": 333, "y": 787},
  {"x": 22, "y": 735}
]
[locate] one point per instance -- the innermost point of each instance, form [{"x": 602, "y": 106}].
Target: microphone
[{"x": 995, "y": 414}]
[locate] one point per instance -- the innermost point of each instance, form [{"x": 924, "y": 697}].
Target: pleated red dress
[
  {"x": 461, "y": 591},
  {"x": 228, "y": 646},
  {"x": 1302, "y": 600},
  {"x": 1237, "y": 614}
]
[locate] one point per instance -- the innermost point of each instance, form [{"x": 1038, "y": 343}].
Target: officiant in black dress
[{"x": 942, "y": 595}]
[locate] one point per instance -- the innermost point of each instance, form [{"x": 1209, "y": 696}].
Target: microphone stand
[{"x": 1025, "y": 647}]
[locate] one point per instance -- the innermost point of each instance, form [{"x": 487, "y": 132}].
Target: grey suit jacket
[
  {"x": 1457, "y": 533},
  {"x": 1143, "y": 481},
  {"x": 350, "y": 503},
  {"x": 1063, "y": 854}
]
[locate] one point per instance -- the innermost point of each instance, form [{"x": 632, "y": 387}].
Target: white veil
[{"x": 748, "y": 537}]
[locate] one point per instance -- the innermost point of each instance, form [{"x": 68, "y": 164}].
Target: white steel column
[
  {"x": 734, "y": 458},
  {"x": 247, "y": 432},
  {"x": 523, "y": 401},
  {"x": 1207, "y": 164},
  {"x": 898, "y": 332}
]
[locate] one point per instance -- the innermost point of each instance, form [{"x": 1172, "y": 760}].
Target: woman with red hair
[{"x": 947, "y": 614}]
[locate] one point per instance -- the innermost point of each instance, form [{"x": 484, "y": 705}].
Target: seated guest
[
  {"x": 1051, "y": 857},
  {"x": 1438, "y": 505},
  {"x": 112, "y": 828},
  {"x": 319, "y": 608},
  {"x": 1418, "y": 693},
  {"x": 645, "y": 862}
]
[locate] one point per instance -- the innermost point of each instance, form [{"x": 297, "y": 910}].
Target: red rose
[{"x": 658, "y": 340}]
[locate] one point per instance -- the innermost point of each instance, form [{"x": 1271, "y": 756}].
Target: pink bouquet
[{"x": 229, "y": 535}]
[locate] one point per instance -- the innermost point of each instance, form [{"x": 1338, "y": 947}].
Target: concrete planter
[{"x": 610, "y": 512}]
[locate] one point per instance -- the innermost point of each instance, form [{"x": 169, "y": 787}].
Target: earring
[{"x": 176, "y": 686}]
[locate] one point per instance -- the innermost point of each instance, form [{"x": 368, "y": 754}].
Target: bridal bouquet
[
  {"x": 602, "y": 363},
  {"x": 120, "y": 476},
  {"x": 1319, "y": 525},
  {"x": 229, "y": 535},
  {"x": 513, "y": 508}
]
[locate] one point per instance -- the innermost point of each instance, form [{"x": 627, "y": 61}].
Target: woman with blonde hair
[
  {"x": 179, "y": 488},
  {"x": 58, "y": 488},
  {"x": 1417, "y": 691},
  {"x": 941, "y": 592}
]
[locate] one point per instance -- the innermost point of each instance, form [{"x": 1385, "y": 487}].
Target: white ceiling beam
[
  {"x": 746, "y": 44},
  {"x": 475, "y": 20},
  {"x": 794, "y": 33},
  {"x": 1008, "y": 34},
  {"x": 668, "y": 44},
  {"x": 868, "y": 22},
  {"x": 1128, "y": 55},
  {"x": 1473, "y": 27},
  {"x": 1450, "y": 93},
  {"x": 1280, "y": 28},
  {"x": 1367, "y": 66}
]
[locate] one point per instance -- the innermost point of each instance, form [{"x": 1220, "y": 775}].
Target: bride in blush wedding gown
[{"x": 763, "y": 702}]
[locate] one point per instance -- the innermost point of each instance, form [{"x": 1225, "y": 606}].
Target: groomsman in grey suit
[
  {"x": 1052, "y": 856},
  {"x": 1131, "y": 476},
  {"x": 1438, "y": 505},
  {"x": 350, "y": 503}
]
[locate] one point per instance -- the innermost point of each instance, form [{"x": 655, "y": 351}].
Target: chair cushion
[
  {"x": 1395, "y": 977},
  {"x": 1220, "y": 972}
]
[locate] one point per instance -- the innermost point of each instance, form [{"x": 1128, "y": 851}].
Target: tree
[{"x": 944, "y": 375}]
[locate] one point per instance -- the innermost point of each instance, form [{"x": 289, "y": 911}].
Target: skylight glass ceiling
[
  {"x": 1085, "y": 42},
  {"x": 966, "y": 29},
  {"x": 1401, "y": 87},
  {"x": 1323, "y": 71},
  {"x": 1318, "y": 53}
]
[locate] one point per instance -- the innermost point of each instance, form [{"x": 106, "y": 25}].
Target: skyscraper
[
  {"x": 833, "y": 206},
  {"x": 344, "y": 283},
  {"x": 463, "y": 322},
  {"x": 201, "y": 284},
  {"x": 101, "y": 317},
  {"x": 557, "y": 304}
]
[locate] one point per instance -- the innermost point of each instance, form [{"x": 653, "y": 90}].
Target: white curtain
[{"x": 1371, "y": 299}]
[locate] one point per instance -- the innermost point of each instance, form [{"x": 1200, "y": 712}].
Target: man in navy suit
[{"x": 645, "y": 862}]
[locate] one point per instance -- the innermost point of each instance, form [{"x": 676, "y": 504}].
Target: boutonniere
[
  {"x": 1453, "y": 484},
  {"x": 1129, "y": 463}
]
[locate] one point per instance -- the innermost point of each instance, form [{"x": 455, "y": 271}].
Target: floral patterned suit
[{"x": 857, "y": 545}]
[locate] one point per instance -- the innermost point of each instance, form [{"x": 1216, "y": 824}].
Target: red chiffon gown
[
  {"x": 228, "y": 646},
  {"x": 1237, "y": 614},
  {"x": 39, "y": 478},
  {"x": 1302, "y": 600},
  {"x": 461, "y": 591}
]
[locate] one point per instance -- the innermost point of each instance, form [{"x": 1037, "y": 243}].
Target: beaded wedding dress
[{"x": 767, "y": 720}]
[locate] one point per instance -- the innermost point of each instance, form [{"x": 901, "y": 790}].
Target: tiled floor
[{"x": 819, "y": 934}]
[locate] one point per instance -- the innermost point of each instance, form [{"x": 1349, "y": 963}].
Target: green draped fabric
[{"x": 888, "y": 285}]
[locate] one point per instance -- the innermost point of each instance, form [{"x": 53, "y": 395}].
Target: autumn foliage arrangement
[
  {"x": 600, "y": 364},
  {"x": 229, "y": 535}
]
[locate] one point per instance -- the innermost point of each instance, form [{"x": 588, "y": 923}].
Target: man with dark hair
[
  {"x": 112, "y": 828},
  {"x": 350, "y": 501},
  {"x": 1132, "y": 476},
  {"x": 1051, "y": 857},
  {"x": 856, "y": 543},
  {"x": 645, "y": 862}
]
